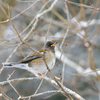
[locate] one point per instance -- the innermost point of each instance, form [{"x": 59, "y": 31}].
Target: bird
[{"x": 36, "y": 62}]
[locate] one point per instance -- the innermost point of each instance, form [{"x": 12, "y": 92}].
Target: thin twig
[
  {"x": 82, "y": 5},
  {"x": 11, "y": 84},
  {"x": 5, "y": 97},
  {"x": 67, "y": 94},
  {"x": 67, "y": 28},
  {"x": 49, "y": 80},
  {"x": 35, "y": 95}
]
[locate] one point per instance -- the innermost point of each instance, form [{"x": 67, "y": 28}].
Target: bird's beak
[{"x": 54, "y": 44}]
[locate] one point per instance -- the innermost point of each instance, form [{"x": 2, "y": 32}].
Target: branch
[
  {"x": 50, "y": 81},
  {"x": 82, "y": 5}
]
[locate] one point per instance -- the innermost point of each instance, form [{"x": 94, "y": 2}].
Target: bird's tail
[{"x": 7, "y": 64}]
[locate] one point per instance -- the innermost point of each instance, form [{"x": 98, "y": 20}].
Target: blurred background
[{"x": 79, "y": 19}]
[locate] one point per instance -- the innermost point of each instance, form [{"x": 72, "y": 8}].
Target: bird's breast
[
  {"x": 50, "y": 59},
  {"x": 38, "y": 64}
]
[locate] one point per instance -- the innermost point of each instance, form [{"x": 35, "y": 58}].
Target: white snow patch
[
  {"x": 83, "y": 24},
  {"x": 86, "y": 44},
  {"x": 82, "y": 32},
  {"x": 80, "y": 35}
]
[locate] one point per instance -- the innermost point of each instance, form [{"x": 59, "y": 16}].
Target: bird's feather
[
  {"x": 33, "y": 57},
  {"x": 28, "y": 59}
]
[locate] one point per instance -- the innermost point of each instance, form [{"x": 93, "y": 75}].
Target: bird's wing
[
  {"x": 28, "y": 59},
  {"x": 33, "y": 56}
]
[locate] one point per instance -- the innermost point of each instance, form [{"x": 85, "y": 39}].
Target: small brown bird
[{"x": 35, "y": 61}]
